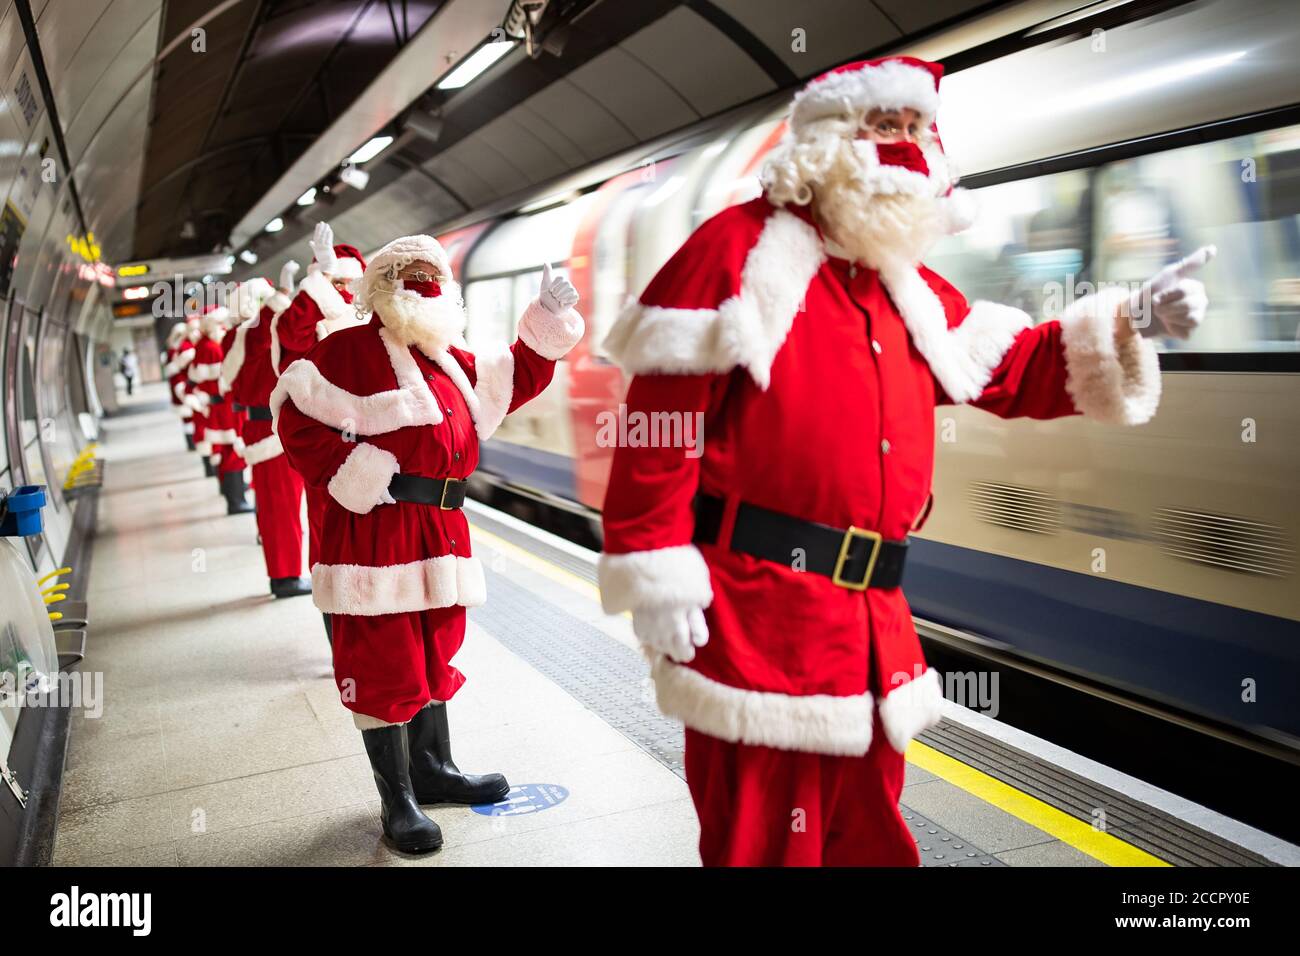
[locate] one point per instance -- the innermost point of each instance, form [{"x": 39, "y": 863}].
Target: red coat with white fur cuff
[
  {"x": 360, "y": 408},
  {"x": 817, "y": 383}
]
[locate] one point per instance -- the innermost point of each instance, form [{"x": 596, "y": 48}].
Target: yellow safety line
[
  {"x": 541, "y": 565},
  {"x": 1078, "y": 834}
]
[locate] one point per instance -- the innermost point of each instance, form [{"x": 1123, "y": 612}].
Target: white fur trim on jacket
[
  {"x": 1116, "y": 386},
  {"x": 234, "y": 360},
  {"x": 179, "y": 363},
  {"x": 676, "y": 576},
  {"x": 205, "y": 372},
  {"x": 221, "y": 436},
  {"x": 962, "y": 359},
  {"x": 411, "y": 403},
  {"x": 911, "y": 708},
  {"x": 489, "y": 399},
  {"x": 550, "y": 336},
  {"x": 264, "y": 450},
  {"x": 400, "y": 588},
  {"x": 203, "y": 448},
  {"x": 747, "y": 329},
  {"x": 363, "y": 477},
  {"x": 328, "y": 300},
  {"x": 816, "y": 723},
  {"x": 279, "y": 301}
]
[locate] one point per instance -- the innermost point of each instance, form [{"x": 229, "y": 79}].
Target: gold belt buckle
[
  {"x": 876, "y": 539},
  {"x": 442, "y": 500}
]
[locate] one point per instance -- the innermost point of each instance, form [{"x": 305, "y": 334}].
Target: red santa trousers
[
  {"x": 388, "y": 666},
  {"x": 279, "y": 512},
  {"x": 759, "y": 806}
]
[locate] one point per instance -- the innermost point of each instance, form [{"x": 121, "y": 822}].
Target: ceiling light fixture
[
  {"x": 275, "y": 225},
  {"x": 370, "y": 150},
  {"x": 475, "y": 64},
  {"x": 307, "y": 198}
]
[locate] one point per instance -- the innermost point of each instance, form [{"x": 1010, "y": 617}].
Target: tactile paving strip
[
  {"x": 941, "y": 847},
  {"x": 611, "y": 680}
]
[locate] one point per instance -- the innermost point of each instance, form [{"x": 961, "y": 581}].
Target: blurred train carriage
[{"x": 1157, "y": 562}]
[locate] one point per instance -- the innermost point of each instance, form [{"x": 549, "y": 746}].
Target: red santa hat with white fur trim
[
  {"x": 350, "y": 265},
  {"x": 889, "y": 83}
]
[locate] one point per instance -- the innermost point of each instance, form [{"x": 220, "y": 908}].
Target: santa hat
[
  {"x": 350, "y": 264},
  {"x": 396, "y": 256},
  {"x": 889, "y": 83},
  {"x": 214, "y": 317},
  {"x": 176, "y": 334}
]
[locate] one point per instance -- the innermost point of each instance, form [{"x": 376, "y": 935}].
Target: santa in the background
[
  {"x": 386, "y": 420},
  {"x": 323, "y": 305},
  {"x": 763, "y": 574},
  {"x": 221, "y": 424},
  {"x": 176, "y": 362},
  {"x": 187, "y": 390},
  {"x": 248, "y": 377}
]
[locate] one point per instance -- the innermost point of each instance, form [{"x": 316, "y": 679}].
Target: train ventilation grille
[
  {"x": 1015, "y": 507},
  {"x": 1237, "y": 544}
]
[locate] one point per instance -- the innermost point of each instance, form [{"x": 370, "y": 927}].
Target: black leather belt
[
  {"x": 215, "y": 399},
  {"x": 853, "y": 558},
  {"x": 447, "y": 493},
  {"x": 259, "y": 413}
]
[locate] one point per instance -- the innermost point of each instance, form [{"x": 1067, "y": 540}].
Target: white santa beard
[
  {"x": 881, "y": 230},
  {"x": 430, "y": 324}
]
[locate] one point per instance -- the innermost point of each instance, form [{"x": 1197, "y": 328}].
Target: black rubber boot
[
  {"x": 405, "y": 824},
  {"x": 209, "y": 469},
  {"x": 235, "y": 492},
  {"x": 189, "y": 442},
  {"x": 290, "y": 587},
  {"x": 329, "y": 629},
  {"x": 435, "y": 775}
]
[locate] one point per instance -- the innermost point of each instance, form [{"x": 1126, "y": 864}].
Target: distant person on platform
[
  {"x": 763, "y": 570},
  {"x": 130, "y": 368},
  {"x": 388, "y": 418}
]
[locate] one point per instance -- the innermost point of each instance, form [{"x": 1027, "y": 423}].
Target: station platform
[{"x": 222, "y": 741}]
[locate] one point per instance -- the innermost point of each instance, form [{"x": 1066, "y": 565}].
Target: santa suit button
[
  {"x": 876, "y": 347},
  {"x": 884, "y": 446},
  {"x": 455, "y": 456},
  {"x": 853, "y": 271}
]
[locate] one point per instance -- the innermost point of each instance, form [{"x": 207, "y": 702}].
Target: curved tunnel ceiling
[{"x": 628, "y": 74}]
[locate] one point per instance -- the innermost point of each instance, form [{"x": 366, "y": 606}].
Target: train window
[
  {"x": 489, "y": 304},
  {"x": 1040, "y": 243},
  {"x": 1027, "y": 244},
  {"x": 525, "y": 242}
]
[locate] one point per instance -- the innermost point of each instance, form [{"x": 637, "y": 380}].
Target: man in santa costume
[
  {"x": 323, "y": 305},
  {"x": 180, "y": 352},
  {"x": 387, "y": 419},
  {"x": 221, "y": 426},
  {"x": 763, "y": 574},
  {"x": 248, "y": 377}
]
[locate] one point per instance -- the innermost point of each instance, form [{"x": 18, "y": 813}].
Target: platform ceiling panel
[
  {"x": 705, "y": 66},
  {"x": 636, "y": 94},
  {"x": 833, "y": 31},
  {"x": 508, "y": 137}
]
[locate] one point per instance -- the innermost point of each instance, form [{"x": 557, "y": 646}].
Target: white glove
[
  {"x": 287, "y": 272},
  {"x": 386, "y": 498},
  {"x": 675, "y": 631},
  {"x": 322, "y": 247},
  {"x": 558, "y": 294},
  {"x": 1177, "y": 303}
]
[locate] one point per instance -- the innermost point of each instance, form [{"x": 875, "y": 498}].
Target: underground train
[{"x": 1154, "y": 563}]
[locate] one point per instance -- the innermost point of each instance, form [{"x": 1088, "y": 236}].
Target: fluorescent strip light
[
  {"x": 368, "y": 151},
  {"x": 249, "y": 256},
  {"x": 475, "y": 64},
  {"x": 275, "y": 225},
  {"x": 307, "y": 198}
]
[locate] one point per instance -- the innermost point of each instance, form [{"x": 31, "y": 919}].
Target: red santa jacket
[
  {"x": 316, "y": 311},
  {"x": 177, "y": 372},
  {"x": 358, "y": 409},
  {"x": 817, "y": 381},
  {"x": 248, "y": 377}
]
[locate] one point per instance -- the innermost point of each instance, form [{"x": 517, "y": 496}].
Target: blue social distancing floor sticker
[{"x": 525, "y": 798}]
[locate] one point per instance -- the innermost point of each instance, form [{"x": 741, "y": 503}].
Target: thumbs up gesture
[
  {"x": 1171, "y": 302},
  {"x": 558, "y": 294}
]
